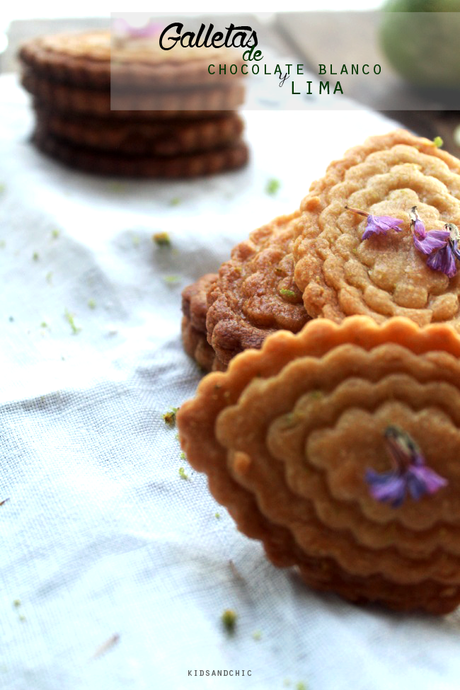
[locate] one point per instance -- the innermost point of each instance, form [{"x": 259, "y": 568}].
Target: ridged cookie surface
[
  {"x": 288, "y": 434},
  {"x": 339, "y": 274},
  {"x": 255, "y": 294}
]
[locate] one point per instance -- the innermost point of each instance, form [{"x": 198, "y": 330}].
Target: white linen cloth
[{"x": 101, "y": 536}]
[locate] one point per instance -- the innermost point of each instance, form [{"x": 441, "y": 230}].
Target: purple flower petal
[
  {"x": 443, "y": 260},
  {"x": 419, "y": 229},
  {"x": 379, "y": 225},
  {"x": 121, "y": 26},
  {"x": 389, "y": 487},
  {"x": 411, "y": 474},
  {"x": 455, "y": 249},
  {"x": 434, "y": 239},
  {"x": 428, "y": 478}
]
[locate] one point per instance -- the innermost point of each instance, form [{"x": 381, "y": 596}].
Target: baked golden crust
[
  {"x": 196, "y": 345},
  {"x": 383, "y": 276},
  {"x": 286, "y": 436},
  {"x": 255, "y": 294},
  {"x": 194, "y": 309},
  {"x": 88, "y": 59}
]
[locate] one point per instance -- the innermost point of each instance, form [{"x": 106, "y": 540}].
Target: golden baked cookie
[
  {"x": 187, "y": 165},
  {"x": 137, "y": 105},
  {"x": 120, "y": 105},
  {"x": 194, "y": 309},
  {"x": 255, "y": 294},
  {"x": 159, "y": 137},
  {"x": 338, "y": 449},
  {"x": 348, "y": 265}
]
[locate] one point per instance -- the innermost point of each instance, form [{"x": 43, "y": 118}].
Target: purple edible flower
[
  {"x": 443, "y": 260},
  {"x": 440, "y": 245},
  {"x": 124, "y": 29},
  {"x": 377, "y": 225},
  {"x": 409, "y": 474}
]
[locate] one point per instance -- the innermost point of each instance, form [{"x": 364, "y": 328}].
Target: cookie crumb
[
  {"x": 162, "y": 239},
  {"x": 170, "y": 416}
]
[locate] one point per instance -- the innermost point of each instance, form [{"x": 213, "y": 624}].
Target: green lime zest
[
  {"x": 287, "y": 293},
  {"x": 272, "y": 186},
  {"x": 228, "y": 619},
  {"x": 71, "y": 321}
]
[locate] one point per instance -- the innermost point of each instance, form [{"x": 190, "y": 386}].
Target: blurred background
[{"x": 415, "y": 41}]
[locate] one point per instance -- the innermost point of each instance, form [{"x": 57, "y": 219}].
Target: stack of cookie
[
  {"x": 132, "y": 109},
  {"x": 336, "y": 441},
  {"x": 313, "y": 263}
]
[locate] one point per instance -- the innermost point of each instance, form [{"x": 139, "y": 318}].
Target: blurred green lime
[{"x": 421, "y": 39}]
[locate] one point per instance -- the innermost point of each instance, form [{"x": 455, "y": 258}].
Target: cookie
[
  {"x": 194, "y": 334},
  {"x": 158, "y": 137},
  {"x": 337, "y": 448},
  {"x": 133, "y": 104},
  {"x": 347, "y": 264},
  {"x": 187, "y": 165},
  {"x": 89, "y": 60},
  {"x": 255, "y": 294}
]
